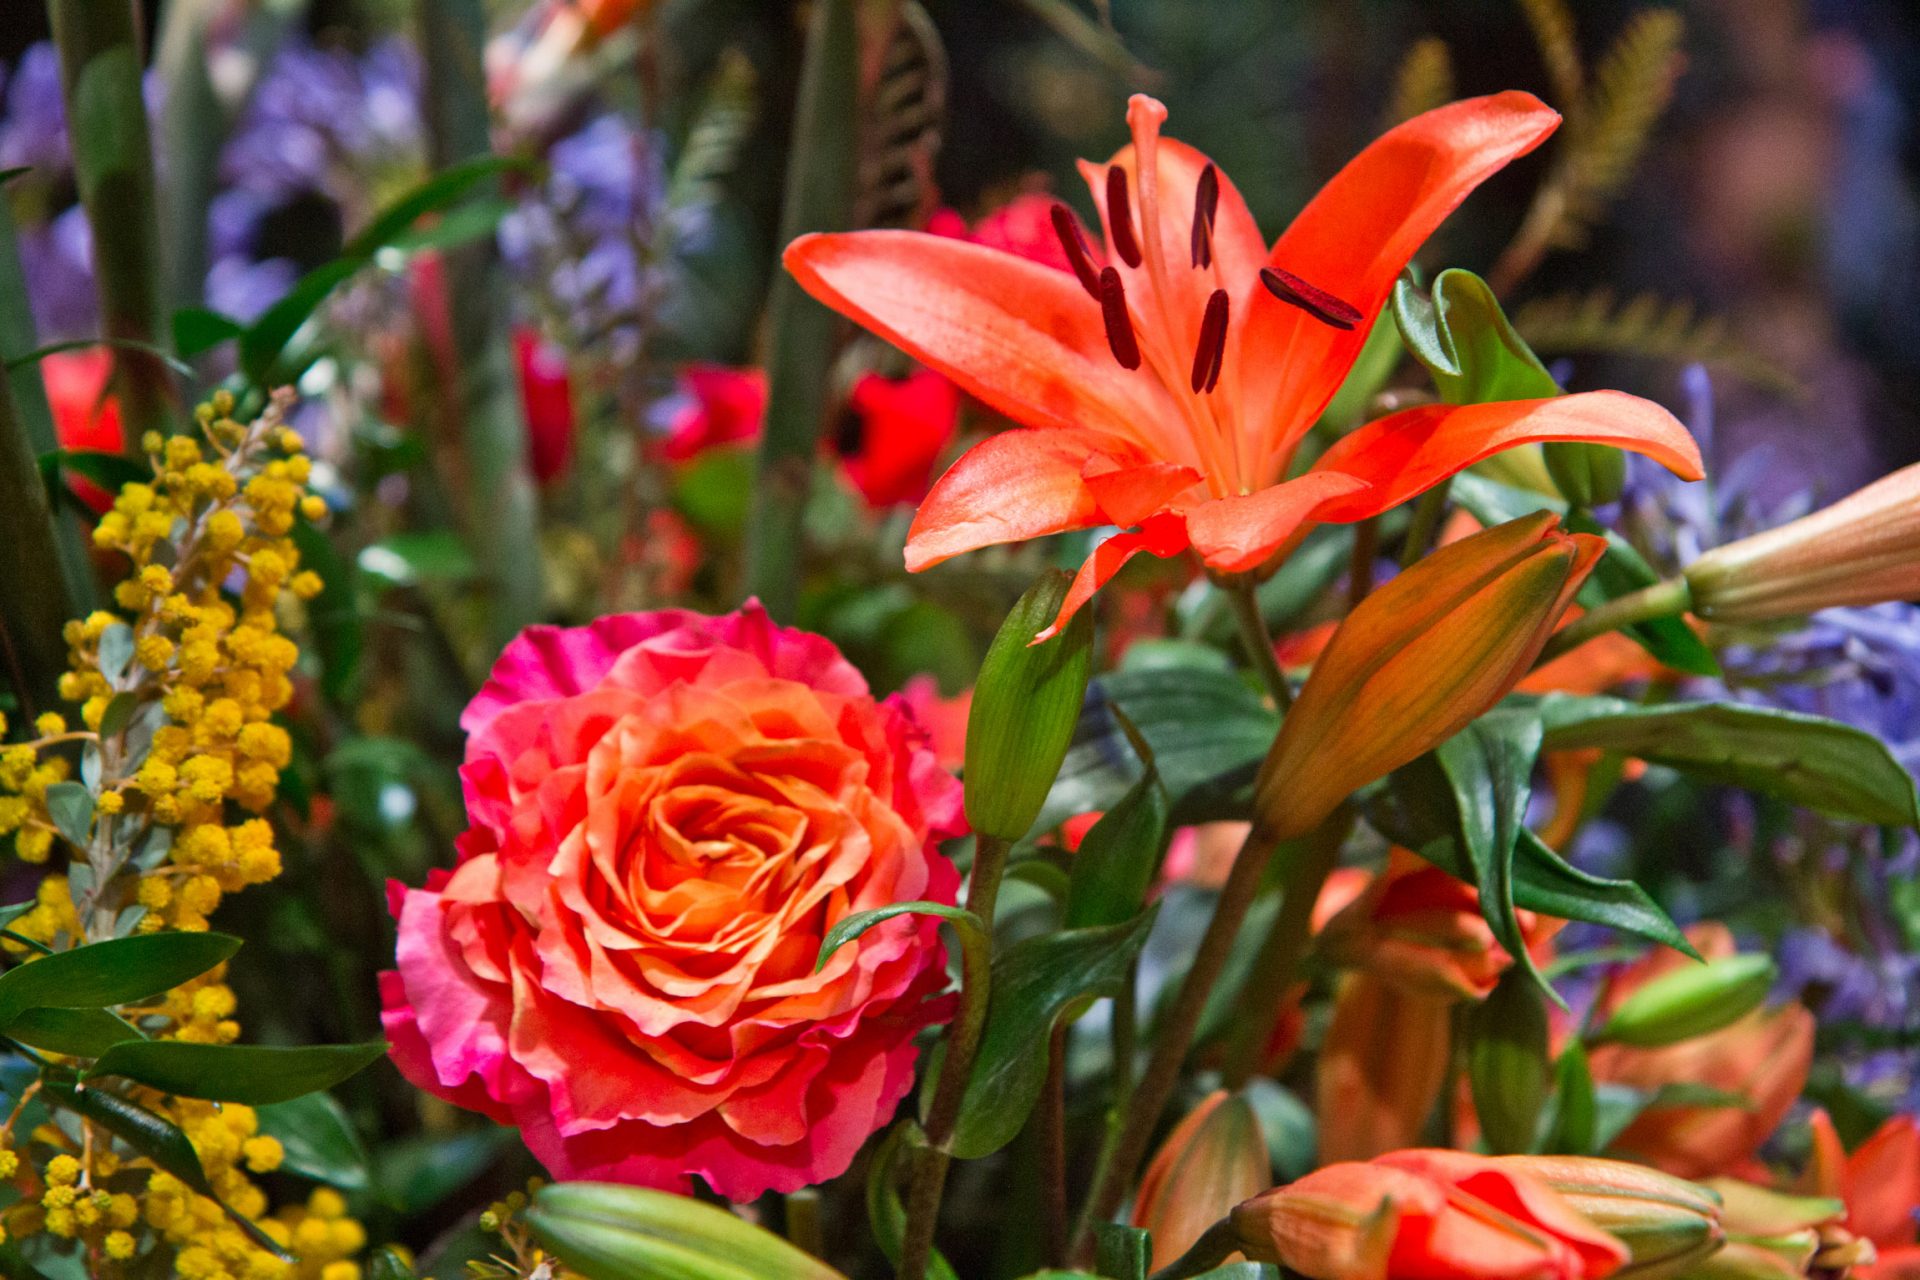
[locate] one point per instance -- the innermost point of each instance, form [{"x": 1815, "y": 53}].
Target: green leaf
[
  {"x": 1547, "y": 883},
  {"x": 1122, "y": 1252},
  {"x": 319, "y": 1140},
  {"x": 1572, "y": 1130},
  {"x": 965, "y": 923},
  {"x": 79, "y": 1033},
  {"x": 119, "y": 712},
  {"x": 1694, "y": 1001},
  {"x": 114, "y": 972},
  {"x": 1207, "y": 731},
  {"x": 609, "y": 1232},
  {"x": 252, "y": 1074},
  {"x": 1034, "y": 983},
  {"x": 198, "y": 329},
  {"x": 1507, "y": 1063},
  {"x": 161, "y": 354},
  {"x": 1489, "y": 765},
  {"x": 1624, "y": 570},
  {"x": 1463, "y": 338},
  {"x": 414, "y": 1175},
  {"x": 432, "y": 555},
  {"x": 111, "y": 471},
  {"x": 333, "y": 616},
  {"x": 886, "y": 1215},
  {"x": 1026, "y": 703},
  {"x": 389, "y": 1262},
  {"x": 442, "y": 190},
  {"x": 1115, "y": 864},
  {"x": 70, "y": 806},
  {"x": 269, "y": 334},
  {"x": 1802, "y": 759}
]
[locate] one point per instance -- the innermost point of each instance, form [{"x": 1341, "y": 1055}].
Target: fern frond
[
  {"x": 725, "y": 116},
  {"x": 1645, "y": 325},
  {"x": 1632, "y": 87},
  {"x": 1553, "y": 31},
  {"x": 902, "y": 131},
  {"x": 1423, "y": 82}
]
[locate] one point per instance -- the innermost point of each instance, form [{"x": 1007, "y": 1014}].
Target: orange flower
[
  {"x": 1213, "y": 1159},
  {"x": 1424, "y": 1215},
  {"x": 1167, "y": 391},
  {"x": 1880, "y": 1184},
  {"x": 1764, "y": 1057},
  {"x": 1381, "y": 1067}
]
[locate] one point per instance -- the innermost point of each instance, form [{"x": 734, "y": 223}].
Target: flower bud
[
  {"x": 1693, "y": 1001},
  {"x": 1586, "y": 474},
  {"x": 1864, "y": 549},
  {"x": 1773, "y": 1234},
  {"x": 1213, "y": 1159},
  {"x": 1025, "y": 705},
  {"x": 1381, "y": 1068},
  {"x": 1416, "y": 661},
  {"x": 1666, "y": 1223},
  {"x": 631, "y": 1233}
]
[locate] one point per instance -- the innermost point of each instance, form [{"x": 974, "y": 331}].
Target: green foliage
[
  {"x": 1645, "y": 325},
  {"x": 318, "y": 1141},
  {"x": 1115, "y": 864},
  {"x": 1507, "y": 1065},
  {"x": 969, "y": 926},
  {"x": 608, "y": 1232},
  {"x": 114, "y": 972},
  {"x": 1632, "y": 86},
  {"x": 1690, "y": 1002},
  {"x": 244, "y": 1073},
  {"x": 886, "y": 1215}
]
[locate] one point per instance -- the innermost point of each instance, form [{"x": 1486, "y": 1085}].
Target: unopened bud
[
  {"x": 1693, "y": 1001},
  {"x": 1667, "y": 1223},
  {"x": 1214, "y": 1159}
]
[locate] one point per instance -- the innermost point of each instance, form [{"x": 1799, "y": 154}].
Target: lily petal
[
  {"x": 1023, "y": 337},
  {"x": 1239, "y": 533},
  {"x": 1406, "y": 453},
  {"x": 1161, "y": 534},
  {"x": 1015, "y": 485},
  {"x": 1128, "y": 495},
  {"x": 1355, "y": 238}
]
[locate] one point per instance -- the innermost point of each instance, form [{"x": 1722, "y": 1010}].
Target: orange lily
[
  {"x": 1166, "y": 391},
  {"x": 1880, "y": 1183}
]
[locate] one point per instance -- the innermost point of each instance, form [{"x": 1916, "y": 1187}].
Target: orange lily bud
[
  {"x": 1415, "y": 1215},
  {"x": 1667, "y": 1223},
  {"x": 1213, "y": 1159},
  {"x": 1381, "y": 1067},
  {"x": 1864, "y": 549},
  {"x": 1764, "y": 1057},
  {"x": 1773, "y": 1234},
  {"x": 1417, "y": 660}
]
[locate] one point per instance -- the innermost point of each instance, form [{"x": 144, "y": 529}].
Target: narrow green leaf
[
  {"x": 1114, "y": 867},
  {"x": 159, "y": 353},
  {"x": 609, "y": 1232},
  {"x": 197, "y": 330},
  {"x": 79, "y": 1033},
  {"x": 1547, "y": 883},
  {"x": 119, "y": 712},
  {"x": 965, "y": 923},
  {"x": 70, "y": 806},
  {"x": 1624, "y": 570},
  {"x": 333, "y": 616},
  {"x": 886, "y": 1214},
  {"x": 114, "y": 972},
  {"x": 111, "y": 471},
  {"x": 441, "y": 191},
  {"x": 1573, "y": 1131},
  {"x": 1035, "y": 981},
  {"x": 246, "y": 1073},
  {"x": 1805, "y": 760},
  {"x": 318, "y": 1139}
]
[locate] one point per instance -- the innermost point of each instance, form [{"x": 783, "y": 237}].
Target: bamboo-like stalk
[
  {"x": 192, "y": 128},
  {"x": 485, "y": 463},
  {"x": 34, "y": 604},
  {"x": 819, "y": 197},
  {"x": 100, "y": 66}
]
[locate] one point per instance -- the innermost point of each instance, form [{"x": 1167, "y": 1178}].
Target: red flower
[
  {"x": 1023, "y": 226},
  {"x": 546, "y": 397},
  {"x": 903, "y": 426},
  {"x": 85, "y": 417},
  {"x": 1166, "y": 393},
  {"x": 726, "y": 406}
]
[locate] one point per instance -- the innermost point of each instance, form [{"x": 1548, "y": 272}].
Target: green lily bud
[
  {"x": 1690, "y": 1002},
  {"x": 1668, "y": 1224},
  {"x": 1025, "y": 705},
  {"x": 1772, "y": 1235},
  {"x": 1507, "y": 1064},
  {"x": 1586, "y": 474},
  {"x": 608, "y": 1232}
]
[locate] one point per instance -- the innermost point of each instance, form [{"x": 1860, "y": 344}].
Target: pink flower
[
  {"x": 1022, "y": 226},
  {"x": 668, "y": 813}
]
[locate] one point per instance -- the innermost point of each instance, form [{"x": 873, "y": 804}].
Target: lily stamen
[
  {"x": 1120, "y": 217},
  {"x": 1113, "y": 310},
  {"x": 1206, "y": 199},
  {"x": 1074, "y": 245},
  {"x": 1212, "y": 347},
  {"x": 1325, "y": 307}
]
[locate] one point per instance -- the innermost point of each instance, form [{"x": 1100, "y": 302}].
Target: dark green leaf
[
  {"x": 432, "y": 555},
  {"x": 111, "y": 471},
  {"x": 1507, "y": 1063},
  {"x": 197, "y": 329},
  {"x": 80, "y": 344},
  {"x": 965, "y": 923},
  {"x": 268, "y": 335},
  {"x": 1117, "y": 859},
  {"x": 1207, "y": 730},
  {"x": 438, "y": 192},
  {"x": 1122, "y": 1252},
  {"x": 70, "y": 806},
  {"x": 79, "y": 1033},
  {"x": 120, "y": 709},
  {"x": 333, "y": 616},
  {"x": 1034, "y": 983},
  {"x": 246, "y": 1073},
  {"x": 389, "y": 1262},
  {"x": 319, "y": 1140},
  {"x": 1547, "y": 883},
  {"x": 1805, "y": 760},
  {"x": 414, "y": 1175},
  {"x": 1572, "y": 1131},
  {"x": 116, "y": 971}
]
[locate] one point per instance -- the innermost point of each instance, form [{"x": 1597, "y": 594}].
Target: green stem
[
  {"x": 819, "y": 197},
  {"x": 1426, "y": 522},
  {"x": 1661, "y": 600},
  {"x": 963, "y": 1042},
  {"x": 1273, "y": 970},
  {"x": 193, "y": 125},
  {"x": 1215, "y": 1245},
  {"x": 1257, "y": 640},
  {"x": 100, "y": 65},
  {"x": 1175, "y": 1037},
  {"x": 1052, "y": 1121},
  {"x": 803, "y": 1222},
  {"x": 1366, "y": 547}
]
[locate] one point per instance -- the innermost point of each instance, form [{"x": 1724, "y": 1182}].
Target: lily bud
[
  {"x": 1586, "y": 475},
  {"x": 1420, "y": 1214},
  {"x": 1213, "y": 1159},
  {"x": 632, "y": 1233},
  {"x": 1694, "y": 1001},
  {"x": 1864, "y": 549},
  {"x": 1381, "y": 1067},
  {"x": 1773, "y": 1234},
  {"x": 1666, "y": 1223},
  {"x": 1417, "y": 660}
]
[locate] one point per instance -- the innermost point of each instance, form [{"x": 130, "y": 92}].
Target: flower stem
[
  {"x": 1661, "y": 600},
  {"x": 803, "y": 1222},
  {"x": 1280, "y": 956},
  {"x": 1257, "y": 640},
  {"x": 1366, "y": 545},
  {"x": 1426, "y": 523},
  {"x": 1052, "y": 1120},
  {"x": 1176, "y": 1032},
  {"x": 963, "y": 1041},
  {"x": 1214, "y": 1246}
]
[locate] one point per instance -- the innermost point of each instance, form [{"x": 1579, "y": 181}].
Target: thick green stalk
[
  {"x": 192, "y": 128},
  {"x": 74, "y": 584},
  {"x": 33, "y": 600},
  {"x": 1661, "y": 600},
  {"x": 100, "y": 65},
  {"x": 1257, "y": 640},
  {"x": 487, "y": 464},
  {"x": 819, "y": 197}
]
